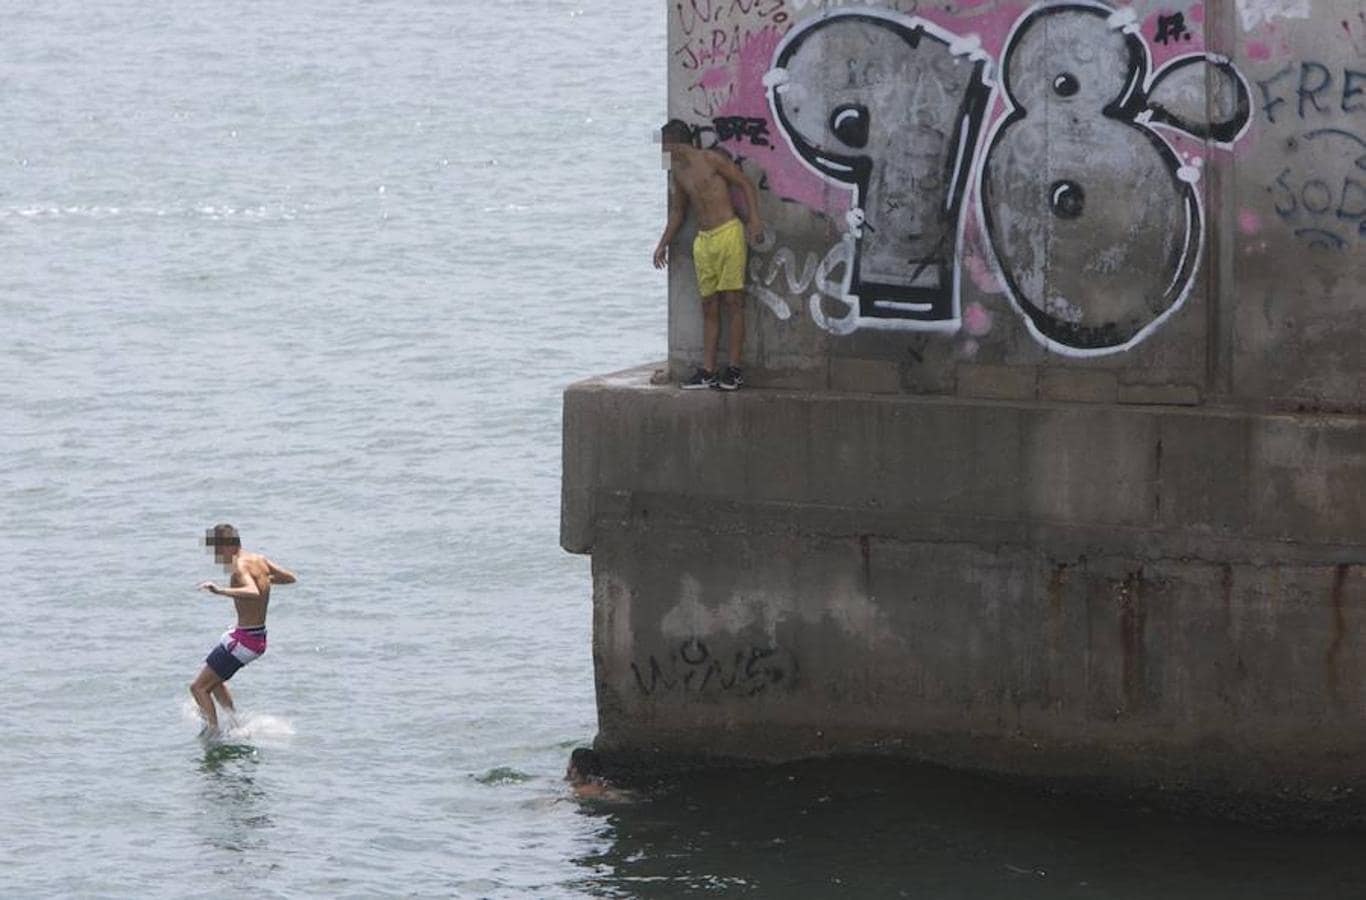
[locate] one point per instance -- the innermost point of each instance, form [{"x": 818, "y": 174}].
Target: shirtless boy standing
[
  {"x": 703, "y": 179},
  {"x": 249, "y": 588}
]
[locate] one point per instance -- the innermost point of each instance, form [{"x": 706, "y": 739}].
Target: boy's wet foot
[
  {"x": 700, "y": 379},
  {"x": 731, "y": 380}
]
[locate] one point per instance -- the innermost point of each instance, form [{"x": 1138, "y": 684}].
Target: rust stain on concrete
[
  {"x": 1332, "y": 659},
  {"x": 1132, "y": 621}
]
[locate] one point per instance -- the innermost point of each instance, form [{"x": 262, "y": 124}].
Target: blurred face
[
  {"x": 224, "y": 553},
  {"x": 671, "y": 142}
]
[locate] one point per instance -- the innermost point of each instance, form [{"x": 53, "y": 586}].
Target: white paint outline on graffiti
[
  {"x": 1136, "y": 98},
  {"x": 1126, "y": 23},
  {"x": 775, "y": 81}
]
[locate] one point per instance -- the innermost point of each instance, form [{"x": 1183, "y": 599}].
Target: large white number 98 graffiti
[{"x": 1093, "y": 219}]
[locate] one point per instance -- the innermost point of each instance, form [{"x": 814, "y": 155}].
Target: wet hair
[
  {"x": 585, "y": 762},
  {"x": 223, "y": 535},
  {"x": 676, "y": 131}
]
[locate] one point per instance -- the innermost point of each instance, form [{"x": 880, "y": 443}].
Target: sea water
[{"x": 322, "y": 270}]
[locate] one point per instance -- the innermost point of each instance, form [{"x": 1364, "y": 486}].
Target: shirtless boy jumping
[
  {"x": 703, "y": 179},
  {"x": 249, "y": 588}
]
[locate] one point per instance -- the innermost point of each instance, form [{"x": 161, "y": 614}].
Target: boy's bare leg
[
  {"x": 223, "y": 696},
  {"x": 711, "y": 330},
  {"x": 202, "y": 690},
  {"x": 735, "y": 303}
]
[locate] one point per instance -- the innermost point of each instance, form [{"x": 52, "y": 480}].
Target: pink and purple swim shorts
[{"x": 235, "y": 649}]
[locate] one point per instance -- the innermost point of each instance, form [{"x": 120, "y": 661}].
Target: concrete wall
[
  {"x": 1146, "y": 594},
  {"x": 1162, "y": 202},
  {"x": 1056, "y": 458}
]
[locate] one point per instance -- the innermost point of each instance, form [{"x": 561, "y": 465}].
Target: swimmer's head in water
[
  {"x": 224, "y": 541},
  {"x": 583, "y": 764}
]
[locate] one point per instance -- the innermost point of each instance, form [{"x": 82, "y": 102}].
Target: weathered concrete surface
[{"x": 1141, "y": 595}]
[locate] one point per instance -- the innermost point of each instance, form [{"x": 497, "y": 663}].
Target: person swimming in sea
[
  {"x": 588, "y": 781},
  {"x": 249, "y": 587}
]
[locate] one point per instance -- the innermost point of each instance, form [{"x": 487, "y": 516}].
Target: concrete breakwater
[
  {"x": 1150, "y": 595},
  {"x": 1055, "y": 459}
]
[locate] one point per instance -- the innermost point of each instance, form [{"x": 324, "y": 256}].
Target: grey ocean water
[{"x": 322, "y": 270}]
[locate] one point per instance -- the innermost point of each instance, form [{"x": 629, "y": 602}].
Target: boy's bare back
[{"x": 705, "y": 177}]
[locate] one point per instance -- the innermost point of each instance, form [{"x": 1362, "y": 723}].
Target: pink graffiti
[
  {"x": 1164, "y": 52},
  {"x": 1249, "y": 222},
  {"x": 693, "y": 14},
  {"x": 976, "y": 319},
  {"x": 983, "y": 276},
  {"x": 787, "y": 177},
  {"x": 714, "y": 78},
  {"x": 991, "y": 26},
  {"x": 1258, "y": 50},
  {"x": 715, "y": 31},
  {"x": 733, "y": 66}
]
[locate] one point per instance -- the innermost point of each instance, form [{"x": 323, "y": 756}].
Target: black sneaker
[
  {"x": 700, "y": 379},
  {"x": 731, "y": 380}
]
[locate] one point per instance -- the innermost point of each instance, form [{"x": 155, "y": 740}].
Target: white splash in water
[{"x": 244, "y": 727}]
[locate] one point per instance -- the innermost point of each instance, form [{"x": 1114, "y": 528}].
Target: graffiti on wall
[
  {"x": 1093, "y": 217},
  {"x": 890, "y": 107},
  {"x": 1090, "y": 213},
  {"x": 697, "y": 669},
  {"x": 1255, "y": 13},
  {"x": 711, "y": 33},
  {"x": 1319, "y": 112}
]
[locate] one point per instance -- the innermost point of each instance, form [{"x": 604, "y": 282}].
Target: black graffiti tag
[
  {"x": 1092, "y": 216},
  {"x": 1320, "y": 192},
  {"x": 1171, "y": 29},
  {"x": 1326, "y": 208},
  {"x": 1312, "y": 89},
  {"x": 695, "y": 668},
  {"x": 741, "y": 128}
]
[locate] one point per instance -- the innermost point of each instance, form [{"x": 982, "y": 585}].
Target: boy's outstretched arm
[
  {"x": 754, "y": 226},
  {"x": 678, "y": 211},
  {"x": 279, "y": 575}
]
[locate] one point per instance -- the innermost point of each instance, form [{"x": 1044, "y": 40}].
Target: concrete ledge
[
  {"x": 1078, "y": 386},
  {"x": 1139, "y": 595},
  {"x": 1185, "y": 472},
  {"x": 873, "y": 376},
  {"x": 1160, "y": 394},
  {"x": 998, "y": 382}
]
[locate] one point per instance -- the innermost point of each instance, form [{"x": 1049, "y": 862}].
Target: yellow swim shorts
[{"x": 719, "y": 254}]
